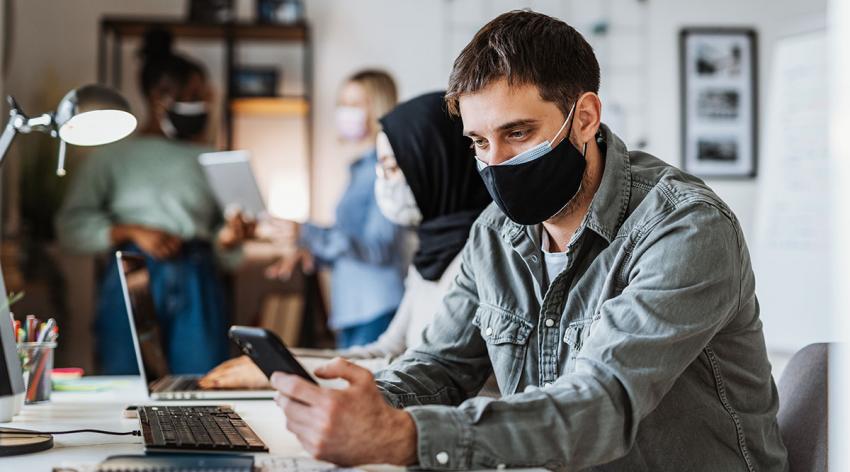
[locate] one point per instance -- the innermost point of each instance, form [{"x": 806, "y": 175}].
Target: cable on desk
[{"x": 74, "y": 431}]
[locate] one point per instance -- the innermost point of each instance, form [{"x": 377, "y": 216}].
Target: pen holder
[{"x": 37, "y": 364}]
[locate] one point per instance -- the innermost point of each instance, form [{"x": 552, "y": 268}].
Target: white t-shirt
[{"x": 555, "y": 262}]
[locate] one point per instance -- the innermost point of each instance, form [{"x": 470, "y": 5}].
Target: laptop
[{"x": 147, "y": 341}]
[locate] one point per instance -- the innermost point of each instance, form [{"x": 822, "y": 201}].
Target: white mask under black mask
[{"x": 396, "y": 201}]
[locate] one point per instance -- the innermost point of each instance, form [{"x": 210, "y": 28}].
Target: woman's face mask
[
  {"x": 396, "y": 202},
  {"x": 393, "y": 194},
  {"x": 351, "y": 123},
  {"x": 184, "y": 120}
]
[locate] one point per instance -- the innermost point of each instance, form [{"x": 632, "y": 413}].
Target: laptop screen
[{"x": 144, "y": 325}]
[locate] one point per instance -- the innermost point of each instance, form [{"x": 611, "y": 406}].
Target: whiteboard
[{"x": 791, "y": 251}]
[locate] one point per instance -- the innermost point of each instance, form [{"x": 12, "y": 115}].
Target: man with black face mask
[{"x": 610, "y": 293}]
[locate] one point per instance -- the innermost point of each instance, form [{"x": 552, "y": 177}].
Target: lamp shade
[{"x": 93, "y": 115}]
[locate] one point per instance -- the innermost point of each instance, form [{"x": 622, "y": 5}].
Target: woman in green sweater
[{"x": 148, "y": 194}]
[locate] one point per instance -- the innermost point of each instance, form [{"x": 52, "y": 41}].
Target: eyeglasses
[{"x": 386, "y": 169}]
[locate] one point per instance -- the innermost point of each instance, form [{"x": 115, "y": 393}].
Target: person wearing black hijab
[{"x": 427, "y": 180}]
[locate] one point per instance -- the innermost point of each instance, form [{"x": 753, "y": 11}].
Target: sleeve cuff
[
  {"x": 307, "y": 234},
  {"x": 102, "y": 239},
  {"x": 444, "y": 438}
]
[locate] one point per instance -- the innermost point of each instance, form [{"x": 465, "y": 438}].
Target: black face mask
[
  {"x": 536, "y": 184},
  {"x": 185, "y": 120}
]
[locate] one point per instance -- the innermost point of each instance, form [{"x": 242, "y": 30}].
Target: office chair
[{"x": 803, "y": 408}]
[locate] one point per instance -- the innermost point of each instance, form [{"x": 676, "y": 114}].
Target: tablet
[{"x": 232, "y": 180}]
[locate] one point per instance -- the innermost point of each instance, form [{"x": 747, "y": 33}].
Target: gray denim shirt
[{"x": 645, "y": 354}]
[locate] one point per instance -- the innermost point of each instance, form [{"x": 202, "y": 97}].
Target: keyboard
[{"x": 197, "y": 428}]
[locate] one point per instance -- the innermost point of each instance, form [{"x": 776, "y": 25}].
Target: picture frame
[{"x": 719, "y": 102}]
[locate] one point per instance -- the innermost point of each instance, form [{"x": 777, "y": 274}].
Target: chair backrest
[{"x": 803, "y": 408}]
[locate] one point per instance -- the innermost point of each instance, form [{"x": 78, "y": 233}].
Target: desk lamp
[{"x": 88, "y": 116}]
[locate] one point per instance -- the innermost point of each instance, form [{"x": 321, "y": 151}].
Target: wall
[
  {"x": 771, "y": 19},
  {"x": 839, "y": 145}
]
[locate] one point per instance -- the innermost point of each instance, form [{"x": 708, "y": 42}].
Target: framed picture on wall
[{"x": 719, "y": 102}]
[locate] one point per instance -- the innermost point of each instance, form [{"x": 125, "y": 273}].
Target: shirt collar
[{"x": 609, "y": 206}]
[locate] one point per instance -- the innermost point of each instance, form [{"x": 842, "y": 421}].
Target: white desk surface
[{"x": 103, "y": 410}]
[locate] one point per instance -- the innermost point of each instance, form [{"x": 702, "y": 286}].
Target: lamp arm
[
  {"x": 20, "y": 123},
  {"x": 7, "y": 137},
  {"x": 60, "y": 164}
]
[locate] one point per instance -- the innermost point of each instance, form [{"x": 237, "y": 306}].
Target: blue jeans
[
  {"x": 365, "y": 333},
  {"x": 189, "y": 302}
]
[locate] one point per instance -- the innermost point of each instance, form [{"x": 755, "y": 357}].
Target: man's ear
[{"x": 588, "y": 117}]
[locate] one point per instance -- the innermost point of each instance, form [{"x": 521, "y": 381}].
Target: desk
[{"x": 103, "y": 410}]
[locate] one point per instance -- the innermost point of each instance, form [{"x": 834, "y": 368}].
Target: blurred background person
[
  {"x": 428, "y": 181},
  {"x": 148, "y": 194},
  {"x": 367, "y": 254}
]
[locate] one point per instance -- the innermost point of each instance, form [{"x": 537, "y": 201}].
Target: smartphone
[{"x": 268, "y": 351}]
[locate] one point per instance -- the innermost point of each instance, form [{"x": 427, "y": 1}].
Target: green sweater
[{"x": 149, "y": 181}]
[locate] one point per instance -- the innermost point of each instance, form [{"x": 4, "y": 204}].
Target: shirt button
[
  {"x": 489, "y": 331},
  {"x": 549, "y": 322},
  {"x": 534, "y": 259},
  {"x": 442, "y": 457}
]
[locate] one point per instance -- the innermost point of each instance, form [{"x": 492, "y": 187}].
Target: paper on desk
[
  {"x": 298, "y": 464},
  {"x": 88, "y": 384}
]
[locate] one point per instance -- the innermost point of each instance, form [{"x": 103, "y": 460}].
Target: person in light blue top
[
  {"x": 368, "y": 255},
  {"x": 148, "y": 194}
]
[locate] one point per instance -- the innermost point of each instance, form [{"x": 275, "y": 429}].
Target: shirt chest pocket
[
  {"x": 506, "y": 335},
  {"x": 575, "y": 336}
]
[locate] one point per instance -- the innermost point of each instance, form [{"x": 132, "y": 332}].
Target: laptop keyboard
[{"x": 197, "y": 428}]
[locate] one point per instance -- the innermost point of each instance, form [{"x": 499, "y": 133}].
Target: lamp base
[{"x": 17, "y": 444}]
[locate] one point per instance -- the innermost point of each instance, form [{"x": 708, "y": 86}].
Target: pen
[
  {"x": 46, "y": 330},
  {"x": 30, "y": 328}
]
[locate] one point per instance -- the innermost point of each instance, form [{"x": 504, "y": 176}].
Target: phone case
[{"x": 267, "y": 351}]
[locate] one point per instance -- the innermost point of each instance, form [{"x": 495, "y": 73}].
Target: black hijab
[{"x": 439, "y": 167}]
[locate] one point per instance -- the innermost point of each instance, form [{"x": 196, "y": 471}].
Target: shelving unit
[
  {"x": 113, "y": 31},
  {"x": 278, "y": 106}
]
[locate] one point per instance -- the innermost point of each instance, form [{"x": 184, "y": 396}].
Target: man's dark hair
[{"x": 526, "y": 47}]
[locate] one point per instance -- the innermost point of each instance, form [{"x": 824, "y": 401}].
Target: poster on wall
[{"x": 719, "y": 100}]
